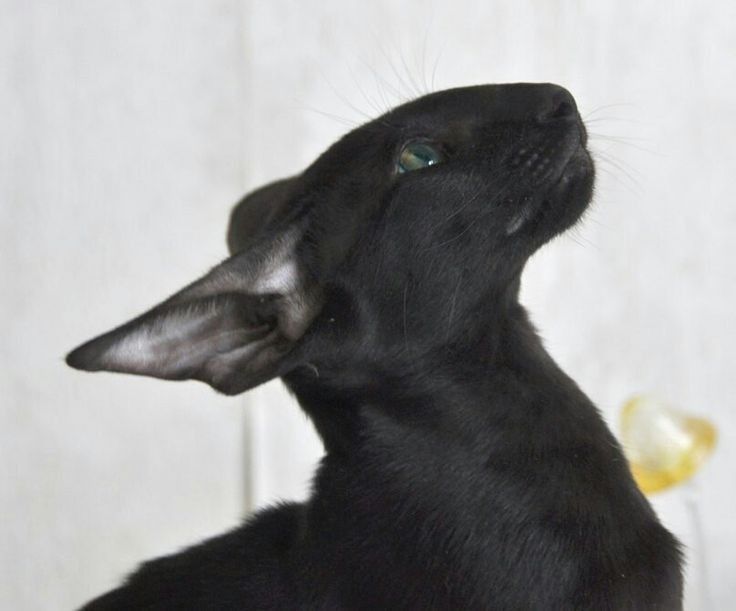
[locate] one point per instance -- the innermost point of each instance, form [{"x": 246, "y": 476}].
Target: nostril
[
  {"x": 563, "y": 110},
  {"x": 557, "y": 109}
]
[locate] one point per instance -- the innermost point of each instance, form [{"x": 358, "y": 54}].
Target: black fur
[{"x": 463, "y": 468}]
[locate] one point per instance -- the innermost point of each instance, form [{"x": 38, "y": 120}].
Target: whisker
[
  {"x": 612, "y": 119},
  {"x": 607, "y": 106},
  {"x": 406, "y": 343},
  {"x": 368, "y": 117},
  {"x": 590, "y": 215},
  {"x": 396, "y": 73},
  {"x": 338, "y": 118},
  {"x": 577, "y": 235},
  {"x": 625, "y": 141},
  {"x": 632, "y": 173},
  {"x": 631, "y": 186},
  {"x": 417, "y": 90},
  {"x": 424, "y": 61},
  {"x": 369, "y": 100},
  {"x": 435, "y": 66},
  {"x": 343, "y": 99},
  {"x": 621, "y": 139},
  {"x": 396, "y": 92},
  {"x": 451, "y": 314}
]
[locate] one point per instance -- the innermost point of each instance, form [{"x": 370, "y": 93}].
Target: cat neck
[{"x": 501, "y": 388}]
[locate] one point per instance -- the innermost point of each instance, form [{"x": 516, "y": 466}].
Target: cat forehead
[
  {"x": 451, "y": 104},
  {"x": 475, "y": 105},
  {"x": 451, "y": 116}
]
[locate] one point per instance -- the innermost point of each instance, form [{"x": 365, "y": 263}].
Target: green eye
[{"x": 418, "y": 155}]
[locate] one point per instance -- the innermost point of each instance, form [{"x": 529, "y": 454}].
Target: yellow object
[{"x": 663, "y": 445}]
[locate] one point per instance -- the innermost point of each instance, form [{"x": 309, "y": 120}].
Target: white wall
[
  {"x": 128, "y": 128},
  {"x": 122, "y": 147}
]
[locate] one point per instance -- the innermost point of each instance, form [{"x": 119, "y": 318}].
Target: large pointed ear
[{"x": 231, "y": 329}]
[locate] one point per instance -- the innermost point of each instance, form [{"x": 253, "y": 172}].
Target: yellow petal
[{"x": 663, "y": 445}]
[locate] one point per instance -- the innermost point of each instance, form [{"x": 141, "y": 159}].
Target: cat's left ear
[{"x": 231, "y": 329}]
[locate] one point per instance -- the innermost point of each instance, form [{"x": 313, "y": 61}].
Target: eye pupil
[{"x": 417, "y": 155}]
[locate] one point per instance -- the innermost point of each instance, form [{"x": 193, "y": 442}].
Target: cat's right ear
[{"x": 234, "y": 327}]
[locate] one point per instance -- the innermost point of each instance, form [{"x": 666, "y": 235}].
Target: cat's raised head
[{"x": 397, "y": 239}]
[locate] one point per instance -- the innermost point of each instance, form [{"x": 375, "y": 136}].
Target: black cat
[{"x": 463, "y": 468}]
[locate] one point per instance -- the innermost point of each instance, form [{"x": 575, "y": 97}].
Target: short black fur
[{"x": 463, "y": 468}]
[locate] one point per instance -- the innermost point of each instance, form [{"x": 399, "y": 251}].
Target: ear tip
[
  {"x": 82, "y": 358},
  {"x": 75, "y": 359}
]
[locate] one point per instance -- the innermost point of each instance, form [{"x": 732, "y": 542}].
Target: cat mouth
[
  {"x": 523, "y": 216},
  {"x": 577, "y": 166}
]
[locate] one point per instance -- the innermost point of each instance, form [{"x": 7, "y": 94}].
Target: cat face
[{"x": 418, "y": 221}]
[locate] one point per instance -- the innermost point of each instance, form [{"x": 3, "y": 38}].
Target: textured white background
[{"x": 127, "y": 129}]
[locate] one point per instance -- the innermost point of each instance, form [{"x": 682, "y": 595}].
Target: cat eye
[{"x": 418, "y": 155}]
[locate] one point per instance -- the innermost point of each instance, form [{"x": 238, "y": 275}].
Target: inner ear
[{"x": 231, "y": 329}]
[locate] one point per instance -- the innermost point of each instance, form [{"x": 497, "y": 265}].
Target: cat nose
[{"x": 558, "y": 106}]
